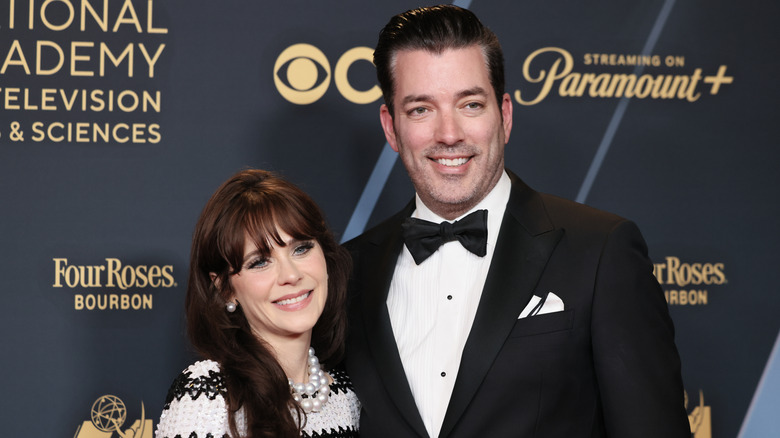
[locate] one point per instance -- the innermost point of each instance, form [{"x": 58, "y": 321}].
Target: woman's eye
[
  {"x": 303, "y": 248},
  {"x": 257, "y": 263}
]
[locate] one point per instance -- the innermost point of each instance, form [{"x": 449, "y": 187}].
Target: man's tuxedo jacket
[{"x": 605, "y": 366}]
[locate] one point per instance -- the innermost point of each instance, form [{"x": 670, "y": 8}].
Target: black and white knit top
[{"x": 196, "y": 408}]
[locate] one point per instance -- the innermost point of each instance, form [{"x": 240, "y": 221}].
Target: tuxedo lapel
[
  {"x": 526, "y": 241},
  {"x": 377, "y": 272}
]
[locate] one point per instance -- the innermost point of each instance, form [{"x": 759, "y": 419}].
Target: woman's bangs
[{"x": 263, "y": 225}]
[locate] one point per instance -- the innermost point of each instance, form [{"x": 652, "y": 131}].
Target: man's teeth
[
  {"x": 294, "y": 300},
  {"x": 452, "y": 163}
]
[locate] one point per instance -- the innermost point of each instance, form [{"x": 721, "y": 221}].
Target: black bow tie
[{"x": 423, "y": 238}]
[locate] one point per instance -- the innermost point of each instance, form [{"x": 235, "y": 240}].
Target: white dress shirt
[{"x": 432, "y": 308}]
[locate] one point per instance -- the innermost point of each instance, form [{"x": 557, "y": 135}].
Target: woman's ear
[
  {"x": 231, "y": 300},
  {"x": 215, "y": 280}
]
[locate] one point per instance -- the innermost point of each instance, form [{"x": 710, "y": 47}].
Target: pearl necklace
[{"x": 313, "y": 395}]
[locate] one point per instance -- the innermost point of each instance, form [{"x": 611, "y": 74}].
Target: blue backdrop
[{"x": 119, "y": 118}]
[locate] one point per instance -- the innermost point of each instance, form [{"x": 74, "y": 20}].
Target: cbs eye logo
[{"x": 302, "y": 74}]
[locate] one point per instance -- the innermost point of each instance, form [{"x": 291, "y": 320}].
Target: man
[{"x": 552, "y": 326}]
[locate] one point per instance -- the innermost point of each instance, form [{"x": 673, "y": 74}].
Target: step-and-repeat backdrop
[{"x": 119, "y": 118}]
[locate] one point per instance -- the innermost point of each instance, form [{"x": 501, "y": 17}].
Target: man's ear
[
  {"x": 386, "y": 119},
  {"x": 506, "y": 116}
]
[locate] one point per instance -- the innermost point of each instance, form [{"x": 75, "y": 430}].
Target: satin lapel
[
  {"x": 377, "y": 273},
  {"x": 527, "y": 240}
]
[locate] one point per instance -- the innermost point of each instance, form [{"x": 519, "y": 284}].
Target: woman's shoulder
[
  {"x": 195, "y": 405},
  {"x": 202, "y": 368},
  {"x": 203, "y": 378}
]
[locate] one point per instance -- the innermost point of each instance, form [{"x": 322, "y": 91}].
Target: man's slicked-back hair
[{"x": 435, "y": 29}]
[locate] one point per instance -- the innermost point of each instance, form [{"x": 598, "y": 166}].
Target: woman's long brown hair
[{"x": 257, "y": 203}]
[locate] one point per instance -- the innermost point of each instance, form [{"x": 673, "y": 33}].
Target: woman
[{"x": 267, "y": 290}]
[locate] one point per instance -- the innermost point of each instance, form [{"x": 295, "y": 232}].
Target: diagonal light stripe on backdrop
[
  {"x": 617, "y": 117},
  {"x": 761, "y": 418},
  {"x": 369, "y": 197},
  {"x": 376, "y": 182}
]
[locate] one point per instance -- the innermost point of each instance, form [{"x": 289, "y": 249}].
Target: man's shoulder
[
  {"x": 562, "y": 208},
  {"x": 557, "y": 211},
  {"x": 582, "y": 225}
]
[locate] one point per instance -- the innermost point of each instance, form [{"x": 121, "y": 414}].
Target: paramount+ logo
[
  {"x": 113, "y": 274},
  {"x": 302, "y": 74}
]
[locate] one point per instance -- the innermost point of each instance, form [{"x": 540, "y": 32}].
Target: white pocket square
[{"x": 547, "y": 303}]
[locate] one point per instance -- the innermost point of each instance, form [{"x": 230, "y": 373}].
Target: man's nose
[{"x": 448, "y": 129}]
